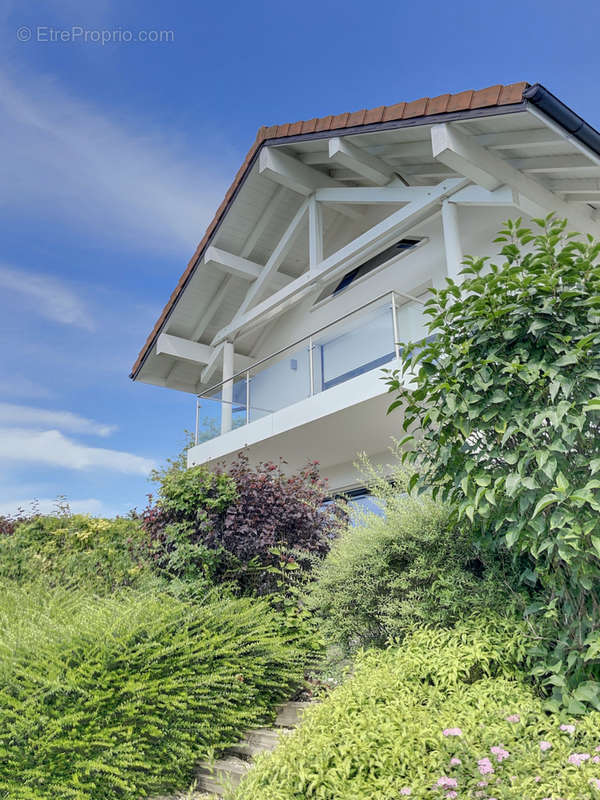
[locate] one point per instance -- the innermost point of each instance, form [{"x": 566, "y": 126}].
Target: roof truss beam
[
  {"x": 372, "y": 241},
  {"x": 374, "y": 169},
  {"x": 373, "y": 194},
  {"x": 275, "y": 260},
  {"x": 288, "y": 171},
  {"x": 235, "y": 265},
  {"x": 466, "y": 156},
  {"x": 183, "y": 349}
]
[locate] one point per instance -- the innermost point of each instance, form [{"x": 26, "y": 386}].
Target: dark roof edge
[{"x": 552, "y": 107}]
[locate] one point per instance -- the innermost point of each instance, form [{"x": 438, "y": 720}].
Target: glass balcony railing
[{"x": 360, "y": 341}]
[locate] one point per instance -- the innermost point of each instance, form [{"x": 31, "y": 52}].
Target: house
[{"x": 318, "y": 261}]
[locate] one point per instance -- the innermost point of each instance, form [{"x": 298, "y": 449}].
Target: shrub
[
  {"x": 506, "y": 396},
  {"x": 386, "y": 574},
  {"x": 227, "y": 524},
  {"x": 118, "y": 697},
  {"x": 446, "y": 715},
  {"x": 76, "y": 550}
]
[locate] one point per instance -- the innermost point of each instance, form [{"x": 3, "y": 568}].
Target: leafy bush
[
  {"x": 76, "y": 550},
  {"x": 506, "y": 396},
  {"x": 412, "y": 566},
  {"x": 446, "y": 715},
  {"x": 227, "y": 524},
  {"x": 117, "y": 697}
]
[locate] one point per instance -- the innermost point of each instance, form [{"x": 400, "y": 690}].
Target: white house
[{"x": 318, "y": 261}]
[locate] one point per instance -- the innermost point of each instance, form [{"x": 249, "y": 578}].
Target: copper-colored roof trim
[{"x": 484, "y": 102}]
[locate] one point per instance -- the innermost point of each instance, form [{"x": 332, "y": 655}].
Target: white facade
[{"x": 290, "y": 370}]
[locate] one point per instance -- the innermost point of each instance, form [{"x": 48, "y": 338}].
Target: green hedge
[
  {"x": 410, "y": 567},
  {"x": 106, "y": 698},
  {"x": 77, "y": 550},
  {"x": 388, "y": 731}
]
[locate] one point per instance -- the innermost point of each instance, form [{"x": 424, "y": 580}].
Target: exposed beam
[
  {"x": 364, "y": 164},
  {"x": 465, "y": 155},
  {"x": 478, "y": 196},
  {"x": 508, "y": 140},
  {"x": 290, "y": 172},
  {"x": 183, "y": 349},
  {"x": 315, "y": 232},
  {"x": 249, "y": 245},
  {"x": 584, "y": 197},
  {"x": 235, "y": 265},
  {"x": 452, "y": 243},
  {"x": 567, "y": 185},
  {"x": 371, "y": 194},
  {"x": 553, "y": 164},
  {"x": 241, "y": 362},
  {"x": 462, "y": 154},
  {"x": 362, "y": 247},
  {"x": 275, "y": 260}
]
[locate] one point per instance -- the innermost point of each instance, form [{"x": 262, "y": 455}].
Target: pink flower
[
  {"x": 567, "y": 728},
  {"x": 513, "y": 718},
  {"x": 454, "y": 762},
  {"x": 577, "y": 759},
  {"x": 451, "y": 794},
  {"x": 406, "y": 790},
  {"x": 596, "y": 759},
  {"x": 485, "y": 766},
  {"x": 545, "y": 746},
  {"x": 595, "y": 783},
  {"x": 452, "y": 732},
  {"x": 482, "y": 783},
  {"x": 447, "y": 783},
  {"x": 500, "y": 753},
  {"x": 537, "y": 778}
]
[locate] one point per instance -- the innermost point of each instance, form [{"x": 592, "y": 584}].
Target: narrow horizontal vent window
[{"x": 358, "y": 272}]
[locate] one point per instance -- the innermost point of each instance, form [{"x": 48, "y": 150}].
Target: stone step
[
  {"x": 261, "y": 740},
  {"x": 222, "y": 773},
  {"x": 290, "y": 714}
]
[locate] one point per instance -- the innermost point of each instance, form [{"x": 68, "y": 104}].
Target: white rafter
[
  {"x": 466, "y": 156},
  {"x": 372, "y": 194},
  {"x": 372, "y": 241},
  {"x": 275, "y": 260},
  {"x": 290, "y": 172},
  {"x": 183, "y": 349},
  {"x": 374, "y": 169},
  {"x": 315, "y": 232},
  {"x": 235, "y": 265}
]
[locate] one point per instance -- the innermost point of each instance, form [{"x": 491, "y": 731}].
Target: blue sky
[{"x": 113, "y": 158}]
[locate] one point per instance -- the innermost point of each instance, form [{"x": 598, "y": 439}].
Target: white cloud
[
  {"x": 121, "y": 179},
  {"x": 11, "y": 414},
  {"x": 52, "y": 448},
  {"x": 46, "y": 296},
  {"x": 46, "y": 505}
]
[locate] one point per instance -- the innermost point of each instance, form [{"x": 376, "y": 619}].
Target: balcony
[{"x": 323, "y": 385}]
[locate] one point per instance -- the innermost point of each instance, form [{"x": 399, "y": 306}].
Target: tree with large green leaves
[{"x": 502, "y": 405}]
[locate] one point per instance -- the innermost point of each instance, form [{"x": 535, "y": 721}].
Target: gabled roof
[{"x": 420, "y": 111}]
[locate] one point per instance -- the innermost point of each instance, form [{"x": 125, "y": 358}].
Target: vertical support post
[
  {"x": 227, "y": 388},
  {"x": 311, "y": 366},
  {"x": 452, "y": 245},
  {"x": 247, "y": 396},
  {"x": 395, "y": 325},
  {"x": 197, "y": 420},
  {"x": 315, "y": 232}
]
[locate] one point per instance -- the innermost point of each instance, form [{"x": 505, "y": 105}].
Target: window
[{"x": 359, "y": 272}]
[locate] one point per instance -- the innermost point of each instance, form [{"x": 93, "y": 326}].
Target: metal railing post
[
  {"x": 311, "y": 366},
  {"x": 197, "y": 420},
  {"x": 395, "y": 324},
  {"x": 247, "y": 396}
]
